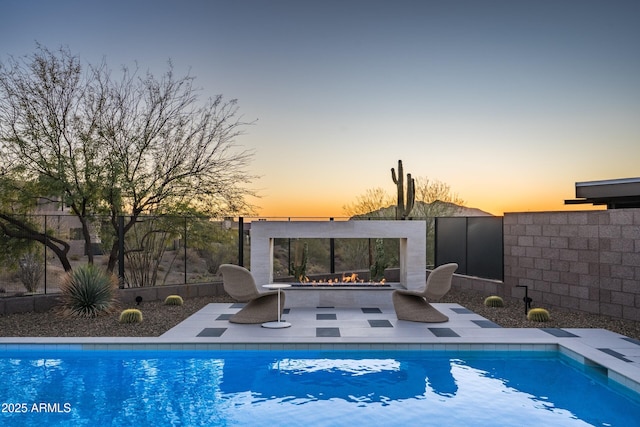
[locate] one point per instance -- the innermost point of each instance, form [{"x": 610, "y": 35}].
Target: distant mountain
[
  {"x": 456, "y": 209},
  {"x": 421, "y": 209}
]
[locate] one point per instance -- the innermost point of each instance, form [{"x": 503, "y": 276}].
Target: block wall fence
[{"x": 586, "y": 260}]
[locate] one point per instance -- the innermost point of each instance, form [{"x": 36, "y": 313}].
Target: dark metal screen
[{"x": 475, "y": 243}]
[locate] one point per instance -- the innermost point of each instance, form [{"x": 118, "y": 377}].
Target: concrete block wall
[
  {"x": 484, "y": 287},
  {"x": 586, "y": 260},
  {"x": 127, "y": 297}
]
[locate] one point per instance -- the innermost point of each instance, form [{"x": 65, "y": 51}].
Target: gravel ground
[
  {"x": 158, "y": 318},
  {"x": 512, "y": 316}
]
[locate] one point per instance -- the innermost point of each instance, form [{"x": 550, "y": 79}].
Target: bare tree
[
  {"x": 435, "y": 199},
  {"x": 168, "y": 152},
  {"x": 432, "y": 198},
  {"x": 369, "y": 204},
  {"x": 129, "y": 146}
]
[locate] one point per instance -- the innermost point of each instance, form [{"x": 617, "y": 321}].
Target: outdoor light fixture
[
  {"x": 138, "y": 300},
  {"x": 526, "y": 299}
]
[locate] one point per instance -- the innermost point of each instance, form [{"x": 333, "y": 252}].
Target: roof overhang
[{"x": 615, "y": 193}]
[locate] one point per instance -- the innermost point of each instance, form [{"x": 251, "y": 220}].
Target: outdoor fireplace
[{"x": 411, "y": 235}]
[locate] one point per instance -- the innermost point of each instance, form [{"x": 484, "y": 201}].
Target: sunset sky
[{"x": 508, "y": 102}]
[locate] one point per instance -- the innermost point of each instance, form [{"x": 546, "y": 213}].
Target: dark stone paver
[
  {"x": 443, "y": 332},
  {"x": 486, "y": 324},
  {"x": 212, "y": 332},
  {"x": 328, "y": 332},
  {"x": 560, "y": 333},
  {"x": 326, "y": 316},
  {"x": 380, "y": 324}
]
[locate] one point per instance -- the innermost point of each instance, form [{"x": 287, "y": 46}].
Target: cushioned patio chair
[
  {"x": 414, "y": 305},
  {"x": 261, "y": 307}
]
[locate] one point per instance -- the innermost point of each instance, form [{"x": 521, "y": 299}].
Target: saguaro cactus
[
  {"x": 298, "y": 267},
  {"x": 403, "y": 209}
]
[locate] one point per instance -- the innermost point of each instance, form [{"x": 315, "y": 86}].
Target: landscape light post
[{"x": 526, "y": 299}]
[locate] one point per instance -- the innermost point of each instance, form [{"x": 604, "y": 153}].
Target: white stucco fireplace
[{"x": 411, "y": 234}]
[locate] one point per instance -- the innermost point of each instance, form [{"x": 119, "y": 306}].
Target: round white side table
[{"x": 279, "y": 323}]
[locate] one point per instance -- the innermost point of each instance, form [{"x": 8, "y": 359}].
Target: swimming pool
[{"x": 332, "y": 388}]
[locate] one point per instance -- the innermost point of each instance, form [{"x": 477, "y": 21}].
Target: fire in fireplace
[{"x": 351, "y": 279}]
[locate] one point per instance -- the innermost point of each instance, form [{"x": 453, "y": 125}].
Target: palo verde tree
[
  {"x": 20, "y": 231},
  {"x": 125, "y": 146},
  {"x": 48, "y": 112}
]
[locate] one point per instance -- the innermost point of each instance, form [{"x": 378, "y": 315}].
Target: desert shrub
[
  {"x": 494, "y": 301},
  {"x": 217, "y": 254},
  {"x": 538, "y": 315},
  {"x": 31, "y": 271},
  {"x": 130, "y": 315},
  {"x": 173, "y": 300},
  {"x": 145, "y": 246},
  {"x": 88, "y": 291}
]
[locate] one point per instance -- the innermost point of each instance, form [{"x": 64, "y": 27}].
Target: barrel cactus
[
  {"x": 131, "y": 315},
  {"x": 538, "y": 315},
  {"x": 494, "y": 301},
  {"x": 173, "y": 300}
]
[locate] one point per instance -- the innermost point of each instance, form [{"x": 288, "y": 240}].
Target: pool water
[{"x": 307, "y": 388}]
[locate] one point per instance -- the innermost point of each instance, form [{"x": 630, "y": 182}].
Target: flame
[
  {"x": 346, "y": 278},
  {"x": 353, "y": 278}
]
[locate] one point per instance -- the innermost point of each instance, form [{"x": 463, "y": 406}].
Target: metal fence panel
[
  {"x": 475, "y": 243},
  {"x": 484, "y": 247},
  {"x": 451, "y": 242}
]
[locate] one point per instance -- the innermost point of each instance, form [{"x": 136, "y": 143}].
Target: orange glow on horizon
[
  {"x": 278, "y": 208},
  {"x": 321, "y": 208}
]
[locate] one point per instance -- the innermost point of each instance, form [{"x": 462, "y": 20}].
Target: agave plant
[{"x": 88, "y": 291}]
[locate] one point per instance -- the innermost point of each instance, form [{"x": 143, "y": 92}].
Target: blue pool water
[{"x": 307, "y": 388}]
